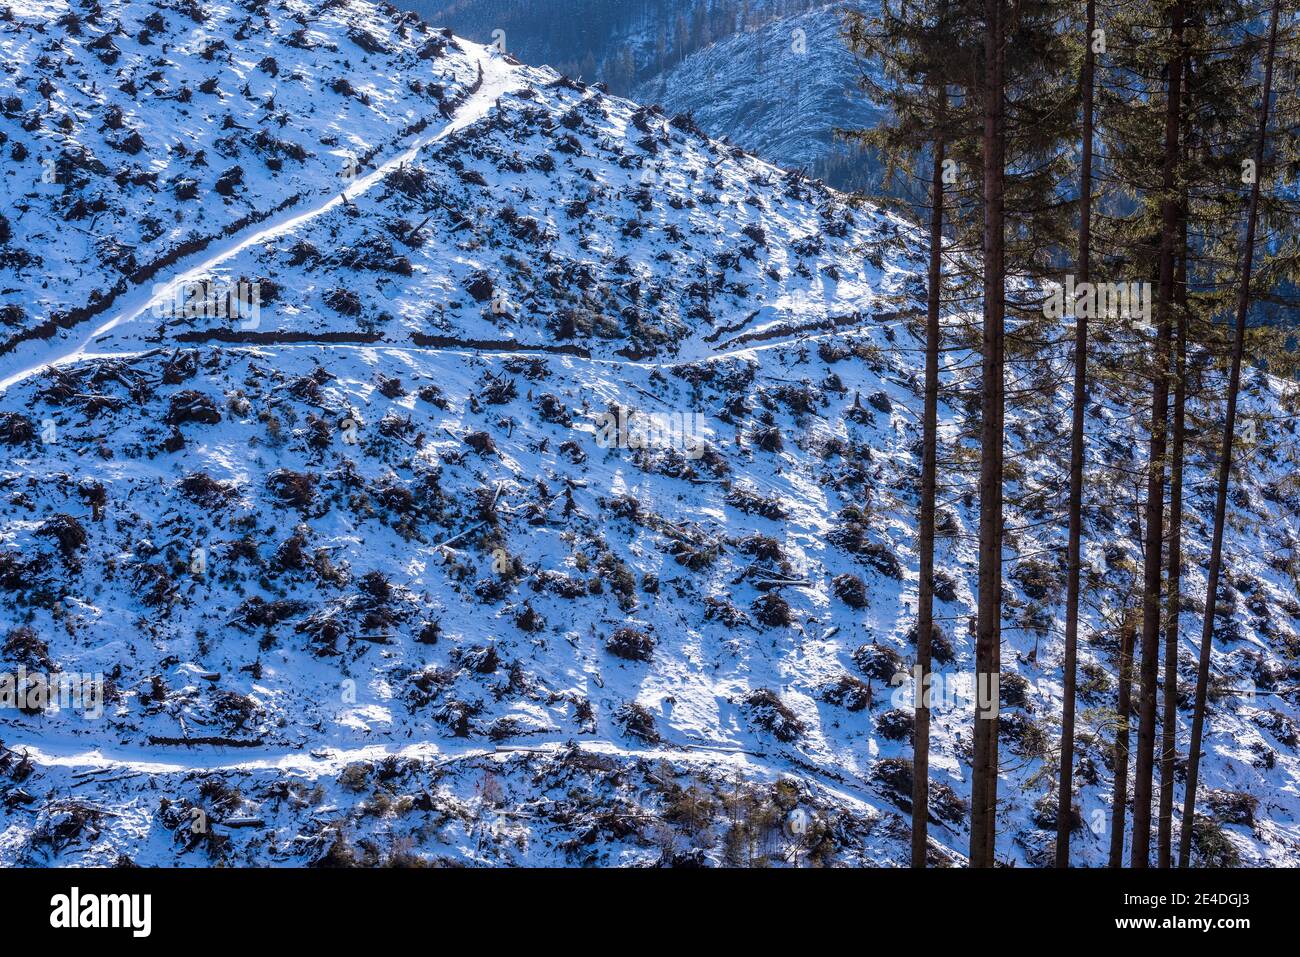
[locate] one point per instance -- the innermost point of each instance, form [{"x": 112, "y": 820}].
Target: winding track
[
  {"x": 68, "y": 753},
  {"x": 499, "y": 78}
]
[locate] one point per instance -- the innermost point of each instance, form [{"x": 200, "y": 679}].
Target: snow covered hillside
[
  {"x": 773, "y": 76},
  {"x": 779, "y": 91},
  {"x": 554, "y": 503}
]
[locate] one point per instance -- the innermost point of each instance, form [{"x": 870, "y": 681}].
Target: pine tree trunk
[
  {"x": 1065, "y": 794},
  {"x": 1152, "y": 579},
  {"x": 1169, "y": 720},
  {"x": 991, "y": 824},
  {"x": 1225, "y": 459},
  {"x": 929, "y": 457},
  {"x": 992, "y": 766},
  {"x": 988, "y": 612},
  {"x": 1124, "y": 708}
]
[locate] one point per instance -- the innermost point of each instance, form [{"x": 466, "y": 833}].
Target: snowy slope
[
  {"x": 368, "y": 586},
  {"x": 137, "y": 135},
  {"x": 773, "y": 76},
  {"x": 779, "y": 91}
]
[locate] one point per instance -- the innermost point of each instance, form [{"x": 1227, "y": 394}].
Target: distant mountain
[
  {"x": 774, "y": 77},
  {"x": 497, "y": 471}
]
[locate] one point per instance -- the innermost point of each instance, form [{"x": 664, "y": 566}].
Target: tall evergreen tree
[
  {"x": 1027, "y": 104},
  {"x": 915, "y": 44},
  {"x": 1153, "y": 574},
  {"x": 1065, "y": 792},
  {"x": 1173, "y": 600},
  {"x": 1225, "y": 455},
  {"x": 930, "y": 429},
  {"x": 989, "y": 599}
]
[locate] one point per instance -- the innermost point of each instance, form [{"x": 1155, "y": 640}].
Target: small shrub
[
  {"x": 769, "y": 712},
  {"x": 631, "y": 645},
  {"x": 1044, "y": 814},
  {"x": 1014, "y": 690},
  {"x": 1023, "y": 735},
  {"x": 880, "y": 558},
  {"x": 1233, "y": 807},
  {"x": 481, "y": 443},
  {"x": 65, "y": 530},
  {"x": 850, "y": 589},
  {"x": 1211, "y": 846},
  {"x": 895, "y": 724},
  {"x": 24, "y": 647},
  {"x": 293, "y": 488},
  {"x": 772, "y": 610},
  {"x": 202, "y": 488},
  {"x": 16, "y": 429},
  {"x": 848, "y": 692},
  {"x": 637, "y": 722},
  {"x": 878, "y": 662}
]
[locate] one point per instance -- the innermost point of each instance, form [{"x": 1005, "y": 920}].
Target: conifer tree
[
  {"x": 915, "y": 44},
  {"x": 1026, "y": 99},
  {"x": 989, "y": 608},
  {"x": 1225, "y": 455},
  {"x": 1065, "y": 792},
  {"x": 1173, "y": 591},
  {"x": 1154, "y": 547}
]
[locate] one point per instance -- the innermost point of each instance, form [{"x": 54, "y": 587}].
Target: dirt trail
[{"x": 499, "y": 77}]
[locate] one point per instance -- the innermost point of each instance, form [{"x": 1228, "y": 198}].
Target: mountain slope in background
[
  {"x": 773, "y": 76},
  {"x": 371, "y": 584}
]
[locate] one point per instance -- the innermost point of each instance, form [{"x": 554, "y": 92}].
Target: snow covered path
[
  {"x": 499, "y": 78},
  {"x": 86, "y": 765},
  {"x": 71, "y": 753},
  {"x": 83, "y": 353}
]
